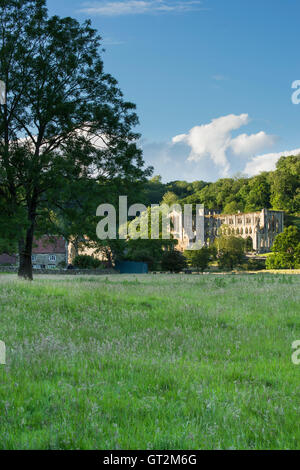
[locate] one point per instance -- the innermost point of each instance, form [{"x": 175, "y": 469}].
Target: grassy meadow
[{"x": 150, "y": 362}]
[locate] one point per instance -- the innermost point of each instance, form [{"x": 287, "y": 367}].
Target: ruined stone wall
[
  {"x": 188, "y": 230},
  {"x": 261, "y": 226}
]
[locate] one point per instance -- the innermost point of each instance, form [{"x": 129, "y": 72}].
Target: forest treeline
[{"x": 279, "y": 190}]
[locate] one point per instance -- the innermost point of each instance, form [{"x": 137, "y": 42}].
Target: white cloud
[
  {"x": 138, "y": 7},
  {"x": 214, "y": 142},
  {"x": 171, "y": 163},
  {"x": 249, "y": 144},
  {"x": 267, "y": 162}
]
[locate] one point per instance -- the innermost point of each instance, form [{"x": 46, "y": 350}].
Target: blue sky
[{"x": 212, "y": 79}]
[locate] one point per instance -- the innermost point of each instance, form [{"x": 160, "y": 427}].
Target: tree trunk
[
  {"x": 25, "y": 252},
  {"x": 75, "y": 243}
]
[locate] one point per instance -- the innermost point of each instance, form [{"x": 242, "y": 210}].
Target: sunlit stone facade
[{"x": 261, "y": 227}]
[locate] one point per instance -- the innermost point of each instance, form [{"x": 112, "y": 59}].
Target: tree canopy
[
  {"x": 286, "y": 250},
  {"x": 65, "y": 129},
  {"x": 279, "y": 189}
]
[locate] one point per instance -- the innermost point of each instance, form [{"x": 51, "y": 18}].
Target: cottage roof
[{"x": 48, "y": 245}]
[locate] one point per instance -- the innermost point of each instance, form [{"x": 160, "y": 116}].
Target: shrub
[
  {"x": 230, "y": 259},
  {"x": 230, "y": 243},
  {"x": 62, "y": 265},
  {"x": 286, "y": 250},
  {"x": 86, "y": 262},
  {"x": 249, "y": 244},
  {"x": 143, "y": 256},
  {"x": 173, "y": 261},
  {"x": 280, "y": 261},
  {"x": 230, "y": 251},
  {"x": 199, "y": 259},
  {"x": 147, "y": 251},
  {"x": 254, "y": 265}
]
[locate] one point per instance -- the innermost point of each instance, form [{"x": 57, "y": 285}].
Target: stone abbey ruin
[{"x": 261, "y": 227}]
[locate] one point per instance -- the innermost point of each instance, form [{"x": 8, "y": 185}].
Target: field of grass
[{"x": 150, "y": 362}]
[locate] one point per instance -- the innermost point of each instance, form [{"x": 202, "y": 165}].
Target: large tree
[
  {"x": 285, "y": 185},
  {"x": 65, "y": 121},
  {"x": 286, "y": 250}
]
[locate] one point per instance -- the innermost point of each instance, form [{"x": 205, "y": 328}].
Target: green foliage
[
  {"x": 199, "y": 259},
  {"x": 254, "y": 265},
  {"x": 13, "y": 223},
  {"x": 110, "y": 250},
  {"x": 248, "y": 244},
  {"x": 230, "y": 259},
  {"x": 279, "y": 189},
  {"x": 230, "y": 251},
  {"x": 286, "y": 249},
  {"x": 232, "y": 207},
  {"x": 60, "y": 101},
  {"x": 173, "y": 261},
  {"x": 145, "y": 248},
  {"x": 154, "y": 189},
  {"x": 86, "y": 262},
  {"x": 183, "y": 188},
  {"x": 170, "y": 198},
  {"x": 147, "y": 251},
  {"x": 221, "y": 193},
  {"x": 287, "y": 241},
  {"x": 281, "y": 261},
  {"x": 62, "y": 265},
  {"x": 143, "y": 225},
  {"x": 258, "y": 192},
  {"x": 285, "y": 185},
  {"x": 292, "y": 220},
  {"x": 230, "y": 243}
]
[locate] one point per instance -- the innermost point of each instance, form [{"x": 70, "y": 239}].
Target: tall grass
[{"x": 150, "y": 362}]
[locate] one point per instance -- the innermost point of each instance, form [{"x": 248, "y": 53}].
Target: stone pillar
[
  {"x": 255, "y": 239},
  {"x": 200, "y": 231}
]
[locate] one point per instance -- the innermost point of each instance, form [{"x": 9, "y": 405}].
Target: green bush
[
  {"x": 230, "y": 243},
  {"x": 286, "y": 250},
  {"x": 199, "y": 259},
  {"x": 230, "y": 252},
  {"x": 280, "y": 261},
  {"x": 229, "y": 259},
  {"x": 173, "y": 261},
  {"x": 254, "y": 265},
  {"x": 62, "y": 265},
  {"x": 148, "y": 251},
  {"x": 87, "y": 262}
]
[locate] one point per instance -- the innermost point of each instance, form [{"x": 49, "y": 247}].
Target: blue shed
[{"x": 131, "y": 267}]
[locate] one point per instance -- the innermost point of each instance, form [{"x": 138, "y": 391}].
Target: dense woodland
[{"x": 279, "y": 190}]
